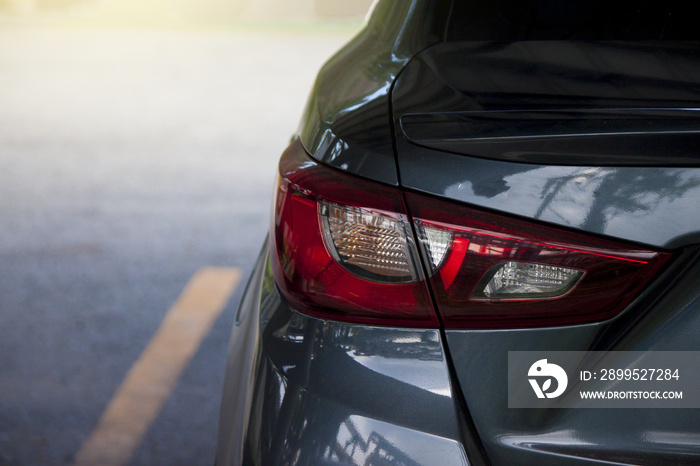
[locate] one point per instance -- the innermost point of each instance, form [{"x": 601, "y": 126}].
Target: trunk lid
[{"x": 601, "y": 137}]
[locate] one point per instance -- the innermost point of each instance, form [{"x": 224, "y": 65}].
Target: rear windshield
[{"x": 508, "y": 20}]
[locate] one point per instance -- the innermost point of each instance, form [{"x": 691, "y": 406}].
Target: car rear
[{"x": 459, "y": 198}]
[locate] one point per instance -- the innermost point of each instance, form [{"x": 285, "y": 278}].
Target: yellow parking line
[{"x": 140, "y": 397}]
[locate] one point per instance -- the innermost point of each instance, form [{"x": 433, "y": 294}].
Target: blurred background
[{"x": 138, "y": 144}]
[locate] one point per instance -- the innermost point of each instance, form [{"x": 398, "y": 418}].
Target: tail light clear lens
[
  {"x": 436, "y": 243},
  {"x": 371, "y": 244},
  {"x": 343, "y": 247},
  {"x": 503, "y": 272},
  {"x": 524, "y": 280}
]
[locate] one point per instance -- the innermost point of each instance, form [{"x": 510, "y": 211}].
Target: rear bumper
[{"x": 308, "y": 391}]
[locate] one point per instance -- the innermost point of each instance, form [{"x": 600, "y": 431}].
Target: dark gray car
[{"x": 490, "y": 209}]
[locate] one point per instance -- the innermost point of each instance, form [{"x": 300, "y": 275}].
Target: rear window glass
[{"x": 506, "y": 20}]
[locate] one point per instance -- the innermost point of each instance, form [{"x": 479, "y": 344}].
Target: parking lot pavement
[{"x": 129, "y": 160}]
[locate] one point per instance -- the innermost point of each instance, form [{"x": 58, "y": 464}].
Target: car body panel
[
  {"x": 323, "y": 392},
  {"x": 666, "y": 318},
  {"x": 347, "y": 121},
  {"x": 590, "y": 137},
  {"x": 241, "y": 367},
  {"x": 652, "y": 205}
]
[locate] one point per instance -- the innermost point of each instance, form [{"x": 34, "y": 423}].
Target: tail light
[
  {"x": 500, "y": 271},
  {"x": 344, "y": 248}
]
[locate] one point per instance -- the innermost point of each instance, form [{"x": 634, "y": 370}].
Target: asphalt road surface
[{"x": 129, "y": 160}]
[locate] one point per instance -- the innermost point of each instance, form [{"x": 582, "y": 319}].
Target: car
[{"x": 483, "y": 246}]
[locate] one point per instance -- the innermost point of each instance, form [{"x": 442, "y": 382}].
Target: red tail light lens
[
  {"x": 343, "y": 247},
  {"x": 501, "y": 272}
]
